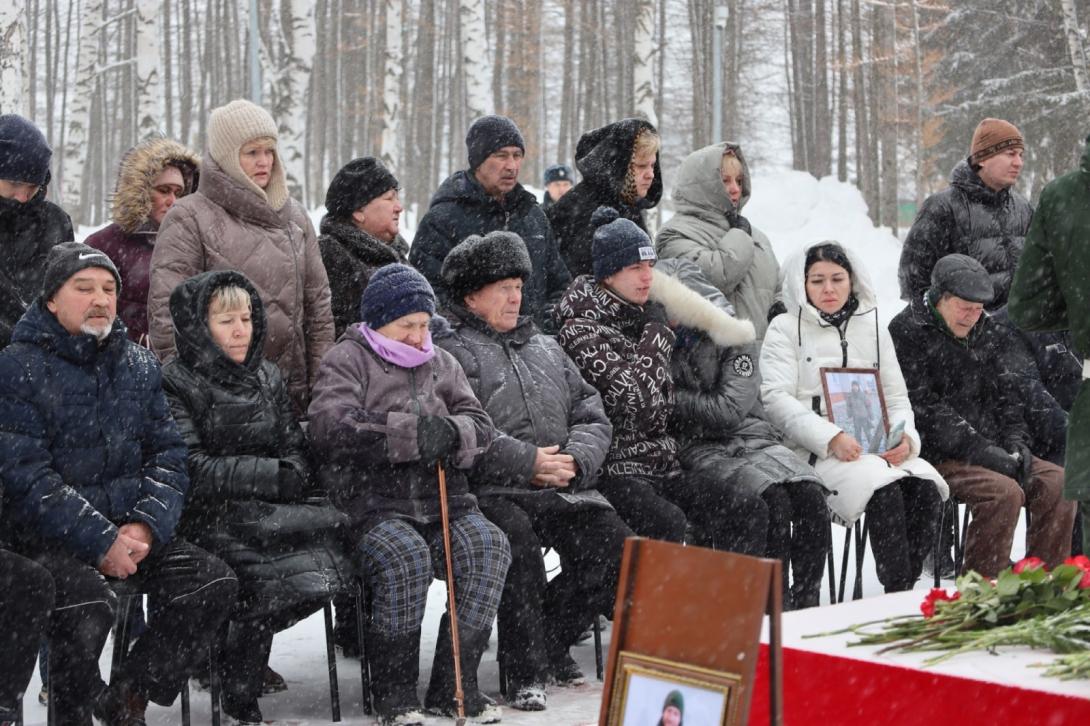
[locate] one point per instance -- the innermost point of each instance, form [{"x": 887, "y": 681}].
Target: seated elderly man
[
  {"x": 94, "y": 477},
  {"x": 536, "y": 482},
  {"x": 970, "y": 415}
]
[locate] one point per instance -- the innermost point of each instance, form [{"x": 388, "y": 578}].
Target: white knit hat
[{"x": 230, "y": 127}]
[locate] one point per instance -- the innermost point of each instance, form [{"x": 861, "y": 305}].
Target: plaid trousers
[{"x": 399, "y": 559}]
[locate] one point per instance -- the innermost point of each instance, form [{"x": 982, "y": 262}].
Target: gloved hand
[
  {"x": 777, "y": 308},
  {"x": 1025, "y": 463},
  {"x": 738, "y": 222},
  {"x": 289, "y": 483},
  {"x": 436, "y": 437},
  {"x": 995, "y": 458}
]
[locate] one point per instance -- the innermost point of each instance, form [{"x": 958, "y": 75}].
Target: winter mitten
[
  {"x": 995, "y": 458},
  {"x": 436, "y": 437},
  {"x": 1025, "y": 464}
]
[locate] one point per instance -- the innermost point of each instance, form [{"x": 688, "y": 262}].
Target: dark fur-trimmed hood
[{"x": 131, "y": 202}]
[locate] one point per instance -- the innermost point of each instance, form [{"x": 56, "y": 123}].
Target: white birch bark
[
  {"x": 79, "y": 113},
  {"x": 13, "y": 96},
  {"x": 391, "y": 88},
  {"x": 149, "y": 94},
  {"x": 643, "y": 66},
  {"x": 297, "y": 67},
  {"x": 475, "y": 63},
  {"x": 1074, "y": 44}
]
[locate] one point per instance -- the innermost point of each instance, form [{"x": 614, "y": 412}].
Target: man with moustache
[
  {"x": 485, "y": 198},
  {"x": 94, "y": 479}
]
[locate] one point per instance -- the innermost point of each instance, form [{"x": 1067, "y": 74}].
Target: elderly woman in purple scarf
[{"x": 386, "y": 408}]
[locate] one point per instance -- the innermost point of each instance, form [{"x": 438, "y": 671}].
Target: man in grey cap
[
  {"x": 558, "y": 182},
  {"x": 971, "y": 418}
]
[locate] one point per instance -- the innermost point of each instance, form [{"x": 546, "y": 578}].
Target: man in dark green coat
[{"x": 1051, "y": 291}]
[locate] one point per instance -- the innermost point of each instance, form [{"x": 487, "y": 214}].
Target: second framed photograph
[
  {"x": 854, "y": 402},
  {"x": 653, "y": 692}
]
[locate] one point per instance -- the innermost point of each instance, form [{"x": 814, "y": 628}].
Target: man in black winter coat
[
  {"x": 94, "y": 478},
  {"x": 979, "y": 215},
  {"x": 536, "y": 481},
  {"x": 29, "y": 225},
  {"x": 485, "y": 198},
  {"x": 970, "y": 416}
]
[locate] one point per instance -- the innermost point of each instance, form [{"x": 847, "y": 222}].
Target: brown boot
[{"x": 121, "y": 705}]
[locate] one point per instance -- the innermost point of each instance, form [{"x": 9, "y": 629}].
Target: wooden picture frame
[
  {"x": 855, "y": 402},
  {"x": 642, "y": 684}
]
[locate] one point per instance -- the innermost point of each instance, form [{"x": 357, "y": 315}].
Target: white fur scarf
[{"x": 690, "y": 308}]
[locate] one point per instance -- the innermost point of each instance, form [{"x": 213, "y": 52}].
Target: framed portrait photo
[
  {"x": 651, "y": 691},
  {"x": 854, "y": 402}
]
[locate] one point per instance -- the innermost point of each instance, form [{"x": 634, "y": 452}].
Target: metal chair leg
[
  {"x": 844, "y": 563},
  {"x": 936, "y": 551},
  {"x": 186, "y": 714},
  {"x": 832, "y": 570},
  {"x": 215, "y": 689},
  {"x": 331, "y": 664},
  {"x": 599, "y": 670},
  {"x": 959, "y": 538},
  {"x": 860, "y": 553}
]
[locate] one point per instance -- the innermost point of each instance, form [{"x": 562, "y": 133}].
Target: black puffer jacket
[
  {"x": 970, "y": 218},
  {"x": 351, "y": 256},
  {"x": 602, "y": 157},
  {"x": 461, "y": 208},
  {"x": 536, "y": 397},
  {"x": 624, "y": 352},
  {"x": 27, "y": 232},
  {"x": 962, "y": 396},
  {"x": 247, "y": 460},
  {"x": 718, "y": 418}
]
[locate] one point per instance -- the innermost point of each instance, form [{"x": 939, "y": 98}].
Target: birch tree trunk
[
  {"x": 296, "y": 67},
  {"x": 149, "y": 95},
  {"x": 1074, "y": 44},
  {"x": 475, "y": 66},
  {"x": 643, "y": 73},
  {"x": 79, "y": 113},
  {"x": 391, "y": 87},
  {"x": 12, "y": 51}
]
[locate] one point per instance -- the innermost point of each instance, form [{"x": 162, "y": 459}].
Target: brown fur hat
[{"x": 131, "y": 202}]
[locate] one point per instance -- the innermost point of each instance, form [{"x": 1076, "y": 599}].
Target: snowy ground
[{"x": 794, "y": 210}]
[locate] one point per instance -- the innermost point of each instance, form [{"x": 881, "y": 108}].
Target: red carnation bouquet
[{"x": 1026, "y": 605}]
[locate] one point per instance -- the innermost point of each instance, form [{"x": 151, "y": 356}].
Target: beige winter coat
[{"x": 226, "y": 226}]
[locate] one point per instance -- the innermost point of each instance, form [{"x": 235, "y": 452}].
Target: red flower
[
  {"x": 927, "y": 607},
  {"x": 1029, "y": 563},
  {"x": 1083, "y": 563}
]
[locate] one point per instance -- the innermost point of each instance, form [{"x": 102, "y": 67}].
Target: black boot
[
  {"x": 395, "y": 670},
  {"x": 440, "y": 697}
]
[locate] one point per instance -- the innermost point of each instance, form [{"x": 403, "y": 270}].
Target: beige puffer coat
[{"x": 227, "y": 226}]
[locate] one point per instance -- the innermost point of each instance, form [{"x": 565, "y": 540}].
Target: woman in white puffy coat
[{"x": 832, "y": 322}]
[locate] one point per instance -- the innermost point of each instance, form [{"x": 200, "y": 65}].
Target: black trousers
[
  {"x": 26, "y": 599},
  {"x": 639, "y": 503},
  {"x": 539, "y": 620},
  {"x": 798, "y": 536},
  {"x": 244, "y": 651},
  {"x": 731, "y": 518},
  {"x": 902, "y": 521},
  {"x": 193, "y": 590}
]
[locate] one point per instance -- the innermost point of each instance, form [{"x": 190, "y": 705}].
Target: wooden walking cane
[{"x": 444, "y": 515}]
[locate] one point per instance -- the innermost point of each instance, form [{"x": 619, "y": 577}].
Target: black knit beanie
[
  {"x": 480, "y": 261},
  {"x": 68, "y": 258},
  {"x": 357, "y": 183},
  {"x": 489, "y": 134},
  {"x": 393, "y": 292},
  {"x": 24, "y": 153},
  {"x": 618, "y": 243}
]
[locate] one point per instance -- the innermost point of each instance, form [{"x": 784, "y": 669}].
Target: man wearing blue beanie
[
  {"x": 29, "y": 225},
  {"x": 487, "y": 197},
  {"x": 622, "y": 342}
]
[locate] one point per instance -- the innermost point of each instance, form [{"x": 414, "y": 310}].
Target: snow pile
[{"x": 796, "y": 210}]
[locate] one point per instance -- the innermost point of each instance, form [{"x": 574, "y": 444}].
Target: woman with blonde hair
[{"x": 619, "y": 163}]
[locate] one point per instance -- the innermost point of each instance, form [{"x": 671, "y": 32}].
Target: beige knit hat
[
  {"x": 229, "y": 128},
  {"x": 992, "y": 136}
]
